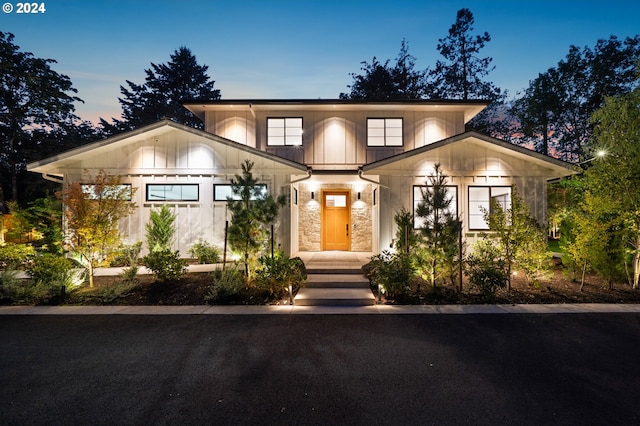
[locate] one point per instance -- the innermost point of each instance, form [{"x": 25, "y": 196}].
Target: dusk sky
[{"x": 297, "y": 49}]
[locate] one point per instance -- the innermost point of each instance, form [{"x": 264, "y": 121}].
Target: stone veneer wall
[{"x": 309, "y": 217}]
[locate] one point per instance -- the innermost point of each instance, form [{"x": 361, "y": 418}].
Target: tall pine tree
[
  {"x": 461, "y": 76},
  {"x": 162, "y": 94}
]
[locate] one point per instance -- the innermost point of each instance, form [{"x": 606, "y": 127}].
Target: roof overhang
[
  {"x": 410, "y": 162},
  {"x": 54, "y": 165}
]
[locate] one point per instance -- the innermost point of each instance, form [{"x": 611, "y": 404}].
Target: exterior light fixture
[
  {"x": 359, "y": 196},
  {"x": 312, "y": 195}
]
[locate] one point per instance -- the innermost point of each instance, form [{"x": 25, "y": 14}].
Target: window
[
  {"x": 284, "y": 131},
  {"x": 109, "y": 191},
  {"x": 480, "y": 199},
  {"x": 452, "y": 193},
  {"x": 222, "y": 191},
  {"x": 172, "y": 192},
  {"x": 335, "y": 200},
  {"x": 384, "y": 132}
]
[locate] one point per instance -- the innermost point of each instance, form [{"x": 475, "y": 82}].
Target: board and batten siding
[{"x": 334, "y": 140}]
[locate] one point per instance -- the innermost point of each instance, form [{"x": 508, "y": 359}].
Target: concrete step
[
  {"x": 335, "y": 289},
  {"x": 334, "y": 297},
  {"x": 331, "y": 268},
  {"x": 336, "y": 281}
]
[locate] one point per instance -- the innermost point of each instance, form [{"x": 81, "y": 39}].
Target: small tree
[
  {"x": 165, "y": 264},
  {"x": 440, "y": 227},
  {"x": 252, "y": 210},
  {"x": 92, "y": 211},
  {"x": 520, "y": 239},
  {"x": 406, "y": 236}
]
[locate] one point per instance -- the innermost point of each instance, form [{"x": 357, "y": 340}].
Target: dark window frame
[
  {"x": 285, "y": 144},
  {"x": 385, "y": 136},
  {"x": 228, "y": 185},
  {"x": 182, "y": 199},
  {"x": 490, "y": 187},
  {"x": 414, "y": 204}
]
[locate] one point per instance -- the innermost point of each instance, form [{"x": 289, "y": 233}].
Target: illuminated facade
[{"x": 346, "y": 167}]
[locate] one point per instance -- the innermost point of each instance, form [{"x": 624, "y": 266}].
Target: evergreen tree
[
  {"x": 34, "y": 101},
  {"x": 252, "y": 210},
  {"x": 380, "y": 81},
  {"x": 440, "y": 226},
  {"x": 461, "y": 76},
  {"x": 162, "y": 94}
]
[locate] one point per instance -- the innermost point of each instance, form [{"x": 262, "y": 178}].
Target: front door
[{"x": 335, "y": 220}]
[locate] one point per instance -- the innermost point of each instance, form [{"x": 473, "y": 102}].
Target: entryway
[{"x": 335, "y": 220}]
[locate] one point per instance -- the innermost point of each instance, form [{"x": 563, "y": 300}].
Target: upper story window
[
  {"x": 384, "y": 131},
  {"x": 480, "y": 198},
  {"x": 172, "y": 192},
  {"x": 284, "y": 131}
]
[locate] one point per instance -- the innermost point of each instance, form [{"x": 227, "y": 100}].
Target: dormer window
[
  {"x": 384, "y": 131},
  {"x": 284, "y": 131}
]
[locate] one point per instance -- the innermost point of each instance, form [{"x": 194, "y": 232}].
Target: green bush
[
  {"x": 50, "y": 269},
  {"x": 204, "y": 252},
  {"x": 130, "y": 275},
  {"x": 8, "y": 279},
  {"x": 228, "y": 287},
  {"x": 127, "y": 255},
  {"x": 394, "y": 272},
  {"x": 16, "y": 256},
  {"x": 487, "y": 271},
  {"x": 276, "y": 274},
  {"x": 166, "y": 265}
]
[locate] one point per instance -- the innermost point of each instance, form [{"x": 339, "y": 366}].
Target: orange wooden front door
[{"x": 336, "y": 216}]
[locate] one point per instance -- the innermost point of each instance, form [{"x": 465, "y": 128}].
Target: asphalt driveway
[{"x": 320, "y": 369}]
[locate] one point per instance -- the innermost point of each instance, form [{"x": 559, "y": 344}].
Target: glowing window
[
  {"x": 172, "y": 192},
  {"x": 222, "y": 192},
  {"x": 452, "y": 194},
  {"x": 284, "y": 131},
  {"x": 384, "y": 132},
  {"x": 480, "y": 198}
]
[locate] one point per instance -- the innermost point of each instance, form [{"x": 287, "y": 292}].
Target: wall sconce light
[
  {"x": 359, "y": 196},
  {"x": 312, "y": 195}
]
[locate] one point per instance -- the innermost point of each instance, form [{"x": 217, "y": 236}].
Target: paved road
[{"x": 321, "y": 369}]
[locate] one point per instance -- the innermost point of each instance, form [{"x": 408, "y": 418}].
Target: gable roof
[
  {"x": 53, "y": 165},
  {"x": 528, "y": 162}
]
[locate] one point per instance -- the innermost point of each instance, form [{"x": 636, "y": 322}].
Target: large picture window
[
  {"x": 480, "y": 200},
  {"x": 172, "y": 192},
  {"x": 384, "y": 131},
  {"x": 222, "y": 191},
  {"x": 284, "y": 131},
  {"x": 452, "y": 193}
]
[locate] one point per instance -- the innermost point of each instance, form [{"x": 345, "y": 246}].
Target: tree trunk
[
  {"x": 636, "y": 264},
  {"x": 584, "y": 270},
  {"x": 90, "y": 274}
]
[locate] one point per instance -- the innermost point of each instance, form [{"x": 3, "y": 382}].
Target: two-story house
[{"x": 346, "y": 166}]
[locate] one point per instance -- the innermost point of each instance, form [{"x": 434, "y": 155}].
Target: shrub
[
  {"x": 50, "y": 269},
  {"x": 276, "y": 274},
  {"x": 166, "y": 265},
  {"x": 16, "y": 256},
  {"x": 227, "y": 287},
  {"x": 160, "y": 229},
  {"x": 393, "y": 272},
  {"x": 205, "y": 252},
  {"x": 127, "y": 255},
  {"x": 487, "y": 271},
  {"x": 8, "y": 279},
  {"x": 130, "y": 275}
]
